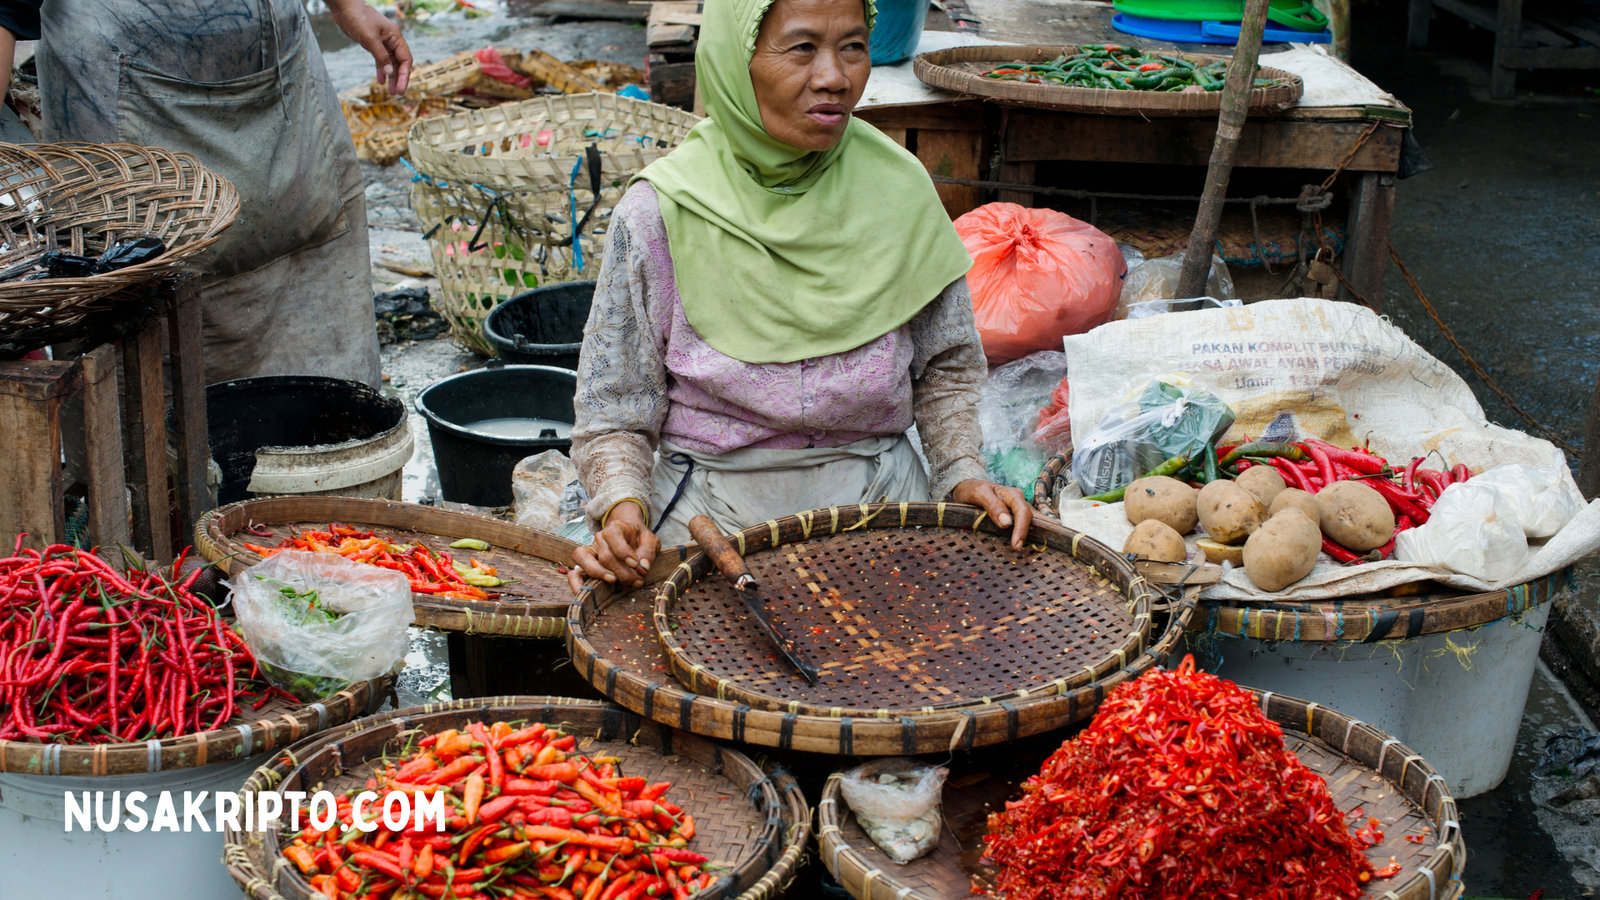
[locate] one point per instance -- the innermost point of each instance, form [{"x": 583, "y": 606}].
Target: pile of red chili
[
  {"x": 429, "y": 572},
  {"x": 1312, "y": 465},
  {"x": 528, "y": 817},
  {"x": 90, "y": 655},
  {"x": 1180, "y": 787}
]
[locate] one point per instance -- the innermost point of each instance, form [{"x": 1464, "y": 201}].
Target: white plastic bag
[
  {"x": 353, "y": 630},
  {"x": 537, "y": 485},
  {"x": 1472, "y": 529},
  {"x": 1543, "y": 505},
  {"x": 1008, "y": 412},
  {"x": 896, "y": 801},
  {"x": 1156, "y": 280}
]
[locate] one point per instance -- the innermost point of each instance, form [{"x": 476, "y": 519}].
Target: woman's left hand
[
  {"x": 1005, "y": 505},
  {"x": 379, "y": 36}
]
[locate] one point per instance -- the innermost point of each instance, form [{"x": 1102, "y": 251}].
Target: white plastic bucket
[
  {"x": 1459, "y": 708},
  {"x": 39, "y": 858}
]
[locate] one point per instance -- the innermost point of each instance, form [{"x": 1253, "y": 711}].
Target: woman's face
[{"x": 809, "y": 69}]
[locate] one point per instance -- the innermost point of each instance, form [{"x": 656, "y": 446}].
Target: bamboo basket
[
  {"x": 488, "y": 176},
  {"x": 612, "y": 642},
  {"x": 934, "y": 609},
  {"x": 1363, "y": 767},
  {"x": 533, "y": 607},
  {"x": 277, "y": 724},
  {"x": 960, "y": 69},
  {"x": 80, "y": 199},
  {"x": 754, "y": 825}
]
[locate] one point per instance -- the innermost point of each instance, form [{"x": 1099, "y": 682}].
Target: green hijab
[{"x": 783, "y": 254}]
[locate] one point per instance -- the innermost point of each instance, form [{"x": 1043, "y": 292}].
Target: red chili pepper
[{"x": 1338, "y": 552}]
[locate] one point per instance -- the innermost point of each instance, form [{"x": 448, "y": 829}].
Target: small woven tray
[
  {"x": 754, "y": 826},
  {"x": 612, "y": 642},
  {"x": 1363, "y": 767},
  {"x": 278, "y": 723},
  {"x": 80, "y": 199},
  {"x": 533, "y": 607},
  {"x": 905, "y": 609},
  {"x": 961, "y": 69}
]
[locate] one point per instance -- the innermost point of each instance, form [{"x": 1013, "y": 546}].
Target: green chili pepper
[
  {"x": 1262, "y": 448},
  {"x": 1210, "y": 472},
  {"x": 1169, "y": 467}
]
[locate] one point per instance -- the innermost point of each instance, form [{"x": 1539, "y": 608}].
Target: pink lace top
[{"x": 645, "y": 375}]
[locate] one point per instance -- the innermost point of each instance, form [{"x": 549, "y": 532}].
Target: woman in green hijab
[{"x": 782, "y": 298}]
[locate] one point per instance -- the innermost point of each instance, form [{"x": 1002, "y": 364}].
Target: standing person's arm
[
  {"x": 19, "y": 21},
  {"x": 378, "y": 35}
]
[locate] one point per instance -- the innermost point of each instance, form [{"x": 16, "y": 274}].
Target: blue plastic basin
[{"x": 899, "y": 27}]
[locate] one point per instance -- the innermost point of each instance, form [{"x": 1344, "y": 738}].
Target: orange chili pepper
[
  {"x": 471, "y": 796},
  {"x": 471, "y": 843},
  {"x": 302, "y": 857},
  {"x": 503, "y": 853},
  {"x": 422, "y": 866}
]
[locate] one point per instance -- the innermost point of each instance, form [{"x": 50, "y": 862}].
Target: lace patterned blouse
[{"x": 645, "y": 375}]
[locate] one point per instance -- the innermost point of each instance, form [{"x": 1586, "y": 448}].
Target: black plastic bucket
[
  {"x": 289, "y": 411},
  {"x": 475, "y": 467},
  {"x": 543, "y": 327}
]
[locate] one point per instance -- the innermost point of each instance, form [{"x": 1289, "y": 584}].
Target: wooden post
[
  {"x": 1418, "y": 19},
  {"x": 145, "y": 442},
  {"x": 1235, "y": 106},
  {"x": 1366, "y": 251},
  {"x": 188, "y": 402},
  {"x": 1508, "y": 36},
  {"x": 31, "y": 492},
  {"x": 1589, "y": 468},
  {"x": 102, "y": 441}
]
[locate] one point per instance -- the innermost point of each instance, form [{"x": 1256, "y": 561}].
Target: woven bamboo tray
[
  {"x": 905, "y": 609},
  {"x": 612, "y": 640},
  {"x": 277, "y": 724},
  {"x": 80, "y": 199},
  {"x": 1365, "y": 617},
  {"x": 1363, "y": 767},
  {"x": 533, "y": 607},
  {"x": 757, "y": 827},
  {"x": 960, "y": 69},
  {"x": 470, "y": 158}
]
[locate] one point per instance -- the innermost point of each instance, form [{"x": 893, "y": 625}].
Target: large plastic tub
[
  {"x": 899, "y": 27},
  {"x": 543, "y": 327},
  {"x": 475, "y": 465}
]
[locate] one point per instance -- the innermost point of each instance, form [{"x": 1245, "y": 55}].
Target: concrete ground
[{"x": 1503, "y": 235}]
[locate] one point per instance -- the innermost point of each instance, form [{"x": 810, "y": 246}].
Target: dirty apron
[
  {"x": 746, "y": 487},
  {"x": 241, "y": 84}
]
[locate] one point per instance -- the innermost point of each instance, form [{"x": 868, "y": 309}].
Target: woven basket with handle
[
  {"x": 501, "y": 189},
  {"x": 81, "y": 199}
]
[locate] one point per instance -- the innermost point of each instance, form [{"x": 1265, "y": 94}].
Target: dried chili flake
[{"x": 1180, "y": 787}]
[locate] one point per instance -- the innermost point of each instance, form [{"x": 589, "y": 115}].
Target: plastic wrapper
[
  {"x": 1009, "y": 408},
  {"x": 1037, "y": 275},
  {"x": 354, "y": 629},
  {"x": 1540, "y": 498},
  {"x": 1472, "y": 529},
  {"x": 538, "y": 484},
  {"x": 1166, "y": 418},
  {"x": 896, "y": 802},
  {"x": 1155, "y": 281},
  {"x": 1054, "y": 433}
]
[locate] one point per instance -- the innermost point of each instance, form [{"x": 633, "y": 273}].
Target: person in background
[
  {"x": 782, "y": 298},
  {"x": 287, "y": 290}
]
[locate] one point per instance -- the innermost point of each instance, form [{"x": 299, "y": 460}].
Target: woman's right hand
[{"x": 620, "y": 554}]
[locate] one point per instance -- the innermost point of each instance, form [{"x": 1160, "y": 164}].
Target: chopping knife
[{"x": 731, "y": 564}]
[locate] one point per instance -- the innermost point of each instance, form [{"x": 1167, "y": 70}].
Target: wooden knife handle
[{"x": 710, "y": 538}]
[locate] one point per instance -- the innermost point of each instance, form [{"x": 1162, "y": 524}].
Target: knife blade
[{"x": 728, "y": 561}]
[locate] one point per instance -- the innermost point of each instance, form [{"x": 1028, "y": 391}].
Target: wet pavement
[{"x": 1504, "y": 235}]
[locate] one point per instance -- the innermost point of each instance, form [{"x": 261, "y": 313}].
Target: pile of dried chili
[
  {"x": 1180, "y": 787},
  {"x": 527, "y": 816}
]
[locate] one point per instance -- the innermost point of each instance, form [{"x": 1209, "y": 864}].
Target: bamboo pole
[{"x": 1235, "y": 105}]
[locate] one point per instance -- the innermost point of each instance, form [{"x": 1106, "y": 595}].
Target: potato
[
  {"x": 1217, "y": 554},
  {"x": 1355, "y": 515},
  {"x": 1156, "y": 540},
  {"x": 1262, "y": 481},
  {"x": 1164, "y": 499},
  {"x": 1282, "y": 551},
  {"x": 1294, "y": 498},
  {"x": 1229, "y": 513}
]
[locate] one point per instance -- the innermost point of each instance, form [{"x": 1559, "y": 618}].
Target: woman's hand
[
  {"x": 1005, "y": 505},
  {"x": 378, "y": 35},
  {"x": 621, "y": 553}
]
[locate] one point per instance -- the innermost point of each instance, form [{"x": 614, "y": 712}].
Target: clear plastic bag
[
  {"x": 538, "y": 484},
  {"x": 1167, "y": 418},
  {"x": 1036, "y": 275},
  {"x": 1156, "y": 280},
  {"x": 896, "y": 802},
  {"x": 318, "y": 622},
  {"x": 1542, "y": 502},
  {"x": 1009, "y": 407},
  {"x": 1472, "y": 529}
]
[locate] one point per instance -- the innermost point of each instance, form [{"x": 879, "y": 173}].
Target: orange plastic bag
[{"x": 1036, "y": 276}]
